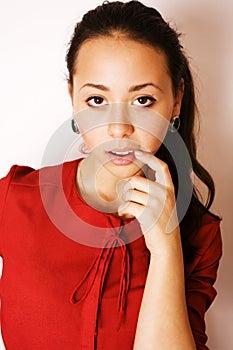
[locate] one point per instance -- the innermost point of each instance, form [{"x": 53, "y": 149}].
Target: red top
[{"x": 62, "y": 288}]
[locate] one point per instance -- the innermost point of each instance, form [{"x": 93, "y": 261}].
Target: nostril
[{"x": 120, "y": 129}]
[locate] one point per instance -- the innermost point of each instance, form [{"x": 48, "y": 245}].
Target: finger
[
  {"x": 137, "y": 197},
  {"x": 146, "y": 218},
  {"x": 131, "y": 208},
  {"x": 144, "y": 185},
  {"x": 162, "y": 172}
]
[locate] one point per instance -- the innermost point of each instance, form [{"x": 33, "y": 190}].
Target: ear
[
  {"x": 70, "y": 91},
  {"x": 178, "y": 99}
]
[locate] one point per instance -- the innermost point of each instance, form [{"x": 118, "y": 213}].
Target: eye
[
  {"x": 94, "y": 101},
  {"x": 144, "y": 101}
]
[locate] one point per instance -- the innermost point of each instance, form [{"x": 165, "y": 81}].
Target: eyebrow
[{"x": 131, "y": 89}]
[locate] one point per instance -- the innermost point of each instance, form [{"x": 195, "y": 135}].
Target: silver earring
[
  {"x": 74, "y": 126},
  {"x": 174, "y": 124},
  {"x": 83, "y": 148}
]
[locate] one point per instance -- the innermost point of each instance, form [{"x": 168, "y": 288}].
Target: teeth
[{"x": 121, "y": 153}]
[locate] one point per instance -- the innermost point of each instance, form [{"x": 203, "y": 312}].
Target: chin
[{"x": 123, "y": 172}]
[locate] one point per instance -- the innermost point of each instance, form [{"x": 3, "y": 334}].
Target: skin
[{"x": 119, "y": 63}]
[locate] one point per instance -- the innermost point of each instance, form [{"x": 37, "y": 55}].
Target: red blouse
[{"x": 70, "y": 284}]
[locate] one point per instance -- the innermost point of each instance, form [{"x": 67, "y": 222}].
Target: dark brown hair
[{"x": 146, "y": 25}]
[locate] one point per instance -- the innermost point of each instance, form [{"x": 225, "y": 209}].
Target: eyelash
[
  {"x": 150, "y": 98},
  {"x": 92, "y": 98}
]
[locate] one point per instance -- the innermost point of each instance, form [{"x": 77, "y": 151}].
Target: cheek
[
  {"x": 153, "y": 133},
  {"x": 150, "y": 123},
  {"x": 94, "y": 137},
  {"x": 155, "y": 145},
  {"x": 150, "y": 143}
]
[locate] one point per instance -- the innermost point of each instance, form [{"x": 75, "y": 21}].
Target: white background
[{"x": 34, "y": 101}]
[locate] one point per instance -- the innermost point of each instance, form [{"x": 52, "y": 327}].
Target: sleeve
[
  {"x": 200, "y": 292},
  {"x": 4, "y": 186}
]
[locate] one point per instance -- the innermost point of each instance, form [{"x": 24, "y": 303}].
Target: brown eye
[
  {"x": 144, "y": 101},
  {"x": 98, "y": 100},
  {"x": 95, "y": 101}
]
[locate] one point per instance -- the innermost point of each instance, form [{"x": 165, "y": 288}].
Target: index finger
[{"x": 163, "y": 176}]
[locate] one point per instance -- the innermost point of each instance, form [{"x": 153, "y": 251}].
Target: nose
[
  {"x": 119, "y": 130},
  {"x": 120, "y": 125}
]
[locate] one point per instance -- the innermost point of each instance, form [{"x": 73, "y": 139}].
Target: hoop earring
[
  {"x": 174, "y": 124},
  {"x": 74, "y": 126},
  {"x": 83, "y": 149}
]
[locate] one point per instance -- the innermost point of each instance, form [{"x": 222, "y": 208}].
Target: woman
[{"x": 114, "y": 250}]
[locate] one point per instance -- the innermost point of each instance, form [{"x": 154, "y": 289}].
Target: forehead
[{"x": 118, "y": 55}]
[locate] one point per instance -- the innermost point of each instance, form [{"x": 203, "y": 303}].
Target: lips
[{"x": 123, "y": 156}]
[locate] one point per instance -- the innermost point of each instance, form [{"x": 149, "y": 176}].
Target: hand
[{"x": 153, "y": 203}]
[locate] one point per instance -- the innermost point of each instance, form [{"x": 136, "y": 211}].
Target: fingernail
[
  {"x": 127, "y": 187},
  {"x": 138, "y": 153}
]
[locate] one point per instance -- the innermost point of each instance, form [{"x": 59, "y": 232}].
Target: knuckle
[{"x": 164, "y": 166}]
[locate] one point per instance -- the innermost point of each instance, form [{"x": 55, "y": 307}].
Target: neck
[{"x": 106, "y": 185}]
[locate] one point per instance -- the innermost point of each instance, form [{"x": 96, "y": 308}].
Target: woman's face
[{"x": 119, "y": 86}]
